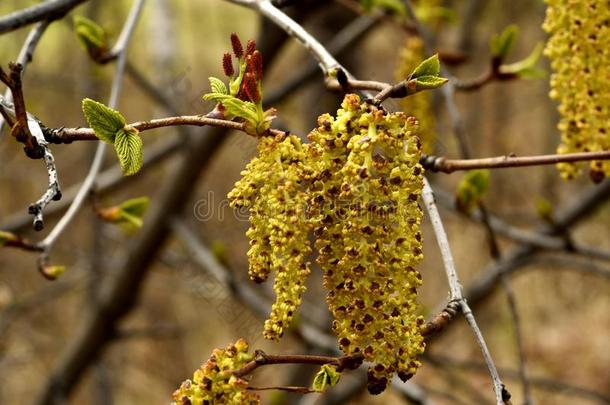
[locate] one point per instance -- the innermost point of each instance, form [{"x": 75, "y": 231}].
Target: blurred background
[{"x": 181, "y": 311}]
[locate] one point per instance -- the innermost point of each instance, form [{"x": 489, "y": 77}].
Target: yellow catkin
[
  {"x": 212, "y": 383},
  {"x": 365, "y": 206},
  {"x": 272, "y": 188},
  {"x": 579, "y": 50},
  {"x": 420, "y": 104},
  {"x": 356, "y": 186}
]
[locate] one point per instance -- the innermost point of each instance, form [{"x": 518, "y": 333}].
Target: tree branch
[
  {"x": 262, "y": 359},
  {"x": 96, "y": 165},
  {"x": 441, "y": 164},
  {"x": 455, "y": 288},
  {"x": 48, "y": 10}
]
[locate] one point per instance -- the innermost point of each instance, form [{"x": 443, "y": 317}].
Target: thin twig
[
  {"x": 68, "y": 135},
  {"x": 523, "y": 373},
  {"x": 48, "y": 10},
  {"x": 122, "y": 44},
  {"x": 298, "y": 390},
  {"x": 455, "y": 289},
  {"x": 26, "y": 54},
  {"x": 262, "y": 359},
  {"x": 441, "y": 164}
]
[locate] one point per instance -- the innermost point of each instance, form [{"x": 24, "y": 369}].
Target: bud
[
  {"x": 227, "y": 65},
  {"x": 251, "y": 87},
  {"x": 238, "y": 49},
  {"x": 250, "y": 47}
]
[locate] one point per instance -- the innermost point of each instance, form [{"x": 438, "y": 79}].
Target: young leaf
[
  {"x": 429, "y": 82},
  {"x": 429, "y": 67},
  {"x": 526, "y": 68},
  {"x": 135, "y": 206},
  {"x": 105, "y": 121},
  {"x": 327, "y": 376},
  {"x": 471, "y": 189},
  {"x": 52, "y": 272},
  {"x": 129, "y": 149},
  {"x": 502, "y": 44},
  {"x": 218, "y": 86},
  {"x": 6, "y": 237},
  {"x": 91, "y": 36},
  {"x": 128, "y": 215},
  {"x": 235, "y": 107}
]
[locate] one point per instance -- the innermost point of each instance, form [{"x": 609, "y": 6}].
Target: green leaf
[
  {"x": 135, "y": 206},
  {"x": 218, "y": 86},
  {"x": 429, "y": 82},
  {"x": 129, "y": 149},
  {"x": 526, "y": 68},
  {"x": 52, "y": 272},
  {"x": 91, "y": 35},
  {"x": 128, "y": 215},
  {"x": 502, "y": 44},
  {"x": 235, "y": 107},
  {"x": 429, "y": 67},
  {"x": 104, "y": 121},
  {"x": 6, "y": 237},
  {"x": 471, "y": 188},
  {"x": 327, "y": 376}
]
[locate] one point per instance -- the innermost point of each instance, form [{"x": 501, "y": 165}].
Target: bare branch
[
  {"x": 48, "y": 10},
  {"x": 455, "y": 288},
  {"x": 26, "y": 54},
  {"x": 96, "y": 165},
  {"x": 441, "y": 164}
]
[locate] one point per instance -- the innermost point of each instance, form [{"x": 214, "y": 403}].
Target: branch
[
  {"x": 298, "y": 390},
  {"x": 16, "y": 114},
  {"x": 48, "y": 10},
  {"x": 441, "y": 164},
  {"x": 351, "y": 362},
  {"x": 455, "y": 288},
  {"x": 96, "y": 165},
  {"x": 68, "y": 135},
  {"x": 26, "y": 54}
]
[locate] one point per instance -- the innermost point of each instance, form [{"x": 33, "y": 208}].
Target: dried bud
[
  {"x": 227, "y": 65},
  {"x": 238, "y": 49}
]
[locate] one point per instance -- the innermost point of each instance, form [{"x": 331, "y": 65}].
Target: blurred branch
[
  {"x": 48, "y": 10},
  {"x": 538, "y": 239},
  {"x": 516, "y": 320},
  {"x": 543, "y": 383}
]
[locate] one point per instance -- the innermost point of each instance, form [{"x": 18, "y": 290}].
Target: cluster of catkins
[
  {"x": 213, "y": 382},
  {"x": 355, "y": 186},
  {"x": 580, "y": 56}
]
